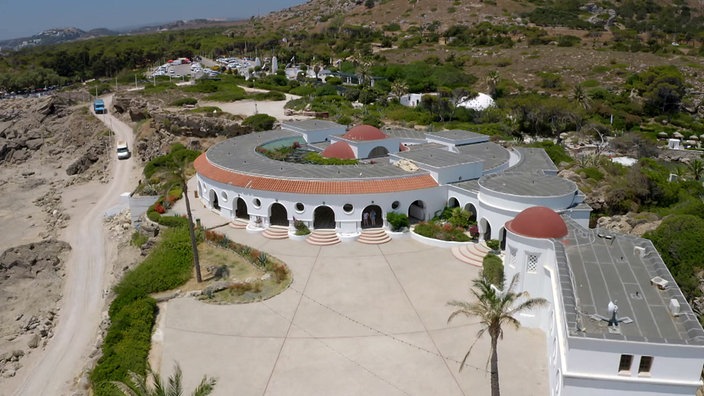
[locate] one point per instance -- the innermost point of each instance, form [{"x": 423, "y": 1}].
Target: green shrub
[
  {"x": 493, "y": 270},
  {"x": 443, "y": 232},
  {"x": 166, "y": 267},
  {"x": 185, "y": 101},
  {"x": 301, "y": 227},
  {"x": 493, "y": 244},
  {"x": 315, "y": 158},
  {"x": 126, "y": 345},
  {"x": 593, "y": 173},
  {"x": 398, "y": 221},
  {"x": 132, "y": 312},
  {"x": 260, "y": 122},
  {"x": 138, "y": 239}
]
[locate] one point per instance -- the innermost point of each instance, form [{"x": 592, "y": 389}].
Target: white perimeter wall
[{"x": 433, "y": 200}]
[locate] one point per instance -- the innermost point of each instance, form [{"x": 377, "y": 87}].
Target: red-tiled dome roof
[
  {"x": 339, "y": 150},
  {"x": 538, "y": 222},
  {"x": 364, "y": 132}
]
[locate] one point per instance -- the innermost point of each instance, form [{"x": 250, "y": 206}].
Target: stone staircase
[
  {"x": 471, "y": 253},
  {"x": 239, "y": 224},
  {"x": 374, "y": 236},
  {"x": 276, "y": 232},
  {"x": 324, "y": 237}
]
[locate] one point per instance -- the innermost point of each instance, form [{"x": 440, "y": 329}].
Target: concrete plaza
[{"x": 357, "y": 320}]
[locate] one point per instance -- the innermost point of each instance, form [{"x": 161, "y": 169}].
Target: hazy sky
[{"x": 23, "y": 18}]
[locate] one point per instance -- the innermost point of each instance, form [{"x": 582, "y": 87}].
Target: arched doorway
[
  {"x": 502, "y": 238},
  {"x": 323, "y": 218},
  {"x": 241, "y": 211},
  {"x": 472, "y": 210},
  {"x": 213, "y": 196},
  {"x": 371, "y": 217},
  {"x": 378, "y": 151},
  {"x": 278, "y": 215},
  {"x": 453, "y": 202},
  {"x": 416, "y": 212},
  {"x": 485, "y": 229}
]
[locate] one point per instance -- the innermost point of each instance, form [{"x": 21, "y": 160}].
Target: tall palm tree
[
  {"x": 494, "y": 308},
  {"x": 179, "y": 167},
  {"x": 156, "y": 386}
]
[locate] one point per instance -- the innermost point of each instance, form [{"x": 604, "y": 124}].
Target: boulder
[{"x": 33, "y": 341}]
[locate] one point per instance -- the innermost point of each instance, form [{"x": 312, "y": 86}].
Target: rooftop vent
[
  {"x": 639, "y": 251},
  {"x": 659, "y": 282},
  {"x": 674, "y": 307}
]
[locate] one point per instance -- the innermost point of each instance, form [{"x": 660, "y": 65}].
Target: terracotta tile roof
[{"x": 305, "y": 186}]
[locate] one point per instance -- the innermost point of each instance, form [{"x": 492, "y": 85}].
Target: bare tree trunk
[
  {"x": 494, "y": 366},
  {"x": 192, "y": 232}
]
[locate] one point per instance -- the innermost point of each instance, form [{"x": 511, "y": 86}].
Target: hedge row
[{"x": 133, "y": 312}]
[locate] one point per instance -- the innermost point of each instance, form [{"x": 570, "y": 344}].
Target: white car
[{"x": 123, "y": 152}]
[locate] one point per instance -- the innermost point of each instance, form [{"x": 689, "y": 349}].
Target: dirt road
[{"x": 55, "y": 371}]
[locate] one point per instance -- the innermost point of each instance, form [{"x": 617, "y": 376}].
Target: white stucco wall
[{"x": 433, "y": 200}]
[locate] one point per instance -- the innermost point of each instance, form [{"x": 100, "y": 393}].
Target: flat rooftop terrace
[
  {"x": 533, "y": 184},
  {"x": 598, "y": 267},
  {"x": 238, "y": 154}
]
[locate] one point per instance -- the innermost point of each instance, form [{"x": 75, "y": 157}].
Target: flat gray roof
[
  {"x": 534, "y": 184},
  {"x": 311, "y": 124},
  {"x": 456, "y": 135},
  {"x": 405, "y": 133},
  {"x": 534, "y": 159},
  {"x": 596, "y": 267},
  {"x": 494, "y": 155},
  {"x": 238, "y": 154},
  {"x": 437, "y": 157}
]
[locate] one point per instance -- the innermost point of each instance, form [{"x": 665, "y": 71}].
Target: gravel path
[{"x": 87, "y": 270}]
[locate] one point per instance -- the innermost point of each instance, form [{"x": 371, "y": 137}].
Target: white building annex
[{"x": 517, "y": 198}]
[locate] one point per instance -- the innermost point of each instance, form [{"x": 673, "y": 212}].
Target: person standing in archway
[
  {"x": 373, "y": 217},
  {"x": 365, "y": 219}
]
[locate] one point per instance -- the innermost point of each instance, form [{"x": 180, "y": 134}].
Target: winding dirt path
[{"x": 55, "y": 371}]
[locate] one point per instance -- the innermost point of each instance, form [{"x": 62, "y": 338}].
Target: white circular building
[{"x": 406, "y": 171}]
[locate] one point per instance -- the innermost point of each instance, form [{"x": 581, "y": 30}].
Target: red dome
[
  {"x": 364, "y": 132},
  {"x": 538, "y": 222},
  {"x": 339, "y": 150}
]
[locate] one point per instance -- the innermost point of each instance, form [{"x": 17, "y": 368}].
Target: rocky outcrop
[
  {"x": 27, "y": 272},
  {"x": 49, "y": 126},
  {"x": 630, "y": 223},
  {"x": 95, "y": 151}
]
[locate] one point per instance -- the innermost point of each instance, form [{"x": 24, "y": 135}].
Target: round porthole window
[
  {"x": 348, "y": 208},
  {"x": 257, "y": 203},
  {"x": 300, "y": 207},
  {"x": 395, "y": 205},
  {"x": 223, "y": 195}
]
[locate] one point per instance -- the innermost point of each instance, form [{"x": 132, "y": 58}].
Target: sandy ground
[
  {"x": 248, "y": 107},
  {"x": 95, "y": 260},
  {"x": 56, "y": 370}
]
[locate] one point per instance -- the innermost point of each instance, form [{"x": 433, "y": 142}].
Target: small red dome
[
  {"x": 538, "y": 222},
  {"x": 364, "y": 132},
  {"x": 339, "y": 150}
]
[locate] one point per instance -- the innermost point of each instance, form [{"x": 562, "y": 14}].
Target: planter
[
  {"x": 437, "y": 242},
  {"x": 295, "y": 237},
  {"x": 397, "y": 234}
]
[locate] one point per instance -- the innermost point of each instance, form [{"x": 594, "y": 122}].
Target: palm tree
[
  {"x": 178, "y": 167},
  {"x": 492, "y": 80},
  {"x": 138, "y": 385},
  {"x": 494, "y": 308},
  {"x": 696, "y": 168},
  {"x": 581, "y": 97},
  {"x": 399, "y": 88}
]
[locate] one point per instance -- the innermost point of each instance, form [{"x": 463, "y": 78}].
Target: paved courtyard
[{"x": 357, "y": 320}]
